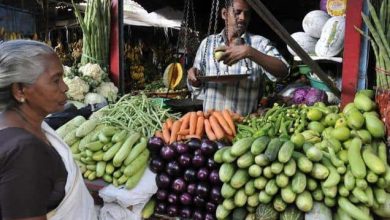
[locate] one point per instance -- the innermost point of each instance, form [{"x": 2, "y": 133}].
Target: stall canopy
[{"x": 135, "y": 14}]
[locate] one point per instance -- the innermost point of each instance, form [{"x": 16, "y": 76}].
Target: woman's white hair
[{"x": 21, "y": 61}]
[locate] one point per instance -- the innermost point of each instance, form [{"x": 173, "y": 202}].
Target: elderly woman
[{"x": 38, "y": 176}]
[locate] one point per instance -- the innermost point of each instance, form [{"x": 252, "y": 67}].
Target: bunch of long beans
[
  {"x": 379, "y": 27},
  {"x": 96, "y": 31},
  {"x": 136, "y": 113}
]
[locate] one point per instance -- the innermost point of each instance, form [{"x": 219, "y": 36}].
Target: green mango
[
  {"x": 364, "y": 103},
  {"x": 330, "y": 119},
  {"x": 355, "y": 120},
  {"x": 348, "y": 107},
  {"x": 327, "y": 132},
  {"x": 316, "y": 126},
  {"x": 363, "y": 134},
  {"x": 341, "y": 133},
  {"x": 373, "y": 113},
  {"x": 375, "y": 126},
  {"x": 314, "y": 114},
  {"x": 334, "y": 143},
  {"x": 347, "y": 143},
  {"x": 367, "y": 92},
  {"x": 341, "y": 122}
]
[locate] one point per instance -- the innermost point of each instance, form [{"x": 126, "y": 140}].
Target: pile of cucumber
[
  {"x": 337, "y": 158},
  {"x": 117, "y": 156}
]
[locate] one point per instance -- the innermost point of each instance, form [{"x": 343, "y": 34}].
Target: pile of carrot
[{"x": 216, "y": 125}]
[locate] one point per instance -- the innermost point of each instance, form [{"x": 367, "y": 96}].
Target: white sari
[{"x": 78, "y": 203}]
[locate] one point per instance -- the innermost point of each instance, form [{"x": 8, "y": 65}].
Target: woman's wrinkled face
[
  {"x": 47, "y": 94},
  {"x": 237, "y": 16}
]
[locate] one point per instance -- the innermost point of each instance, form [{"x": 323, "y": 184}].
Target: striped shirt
[{"x": 241, "y": 96}]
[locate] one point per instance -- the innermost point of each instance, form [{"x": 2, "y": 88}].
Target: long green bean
[
  {"x": 137, "y": 113},
  {"x": 379, "y": 28}
]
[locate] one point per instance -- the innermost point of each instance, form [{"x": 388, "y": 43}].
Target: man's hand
[
  {"x": 192, "y": 77},
  {"x": 232, "y": 54}
]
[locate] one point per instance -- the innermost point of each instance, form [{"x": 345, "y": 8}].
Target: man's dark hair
[{"x": 228, "y": 3}]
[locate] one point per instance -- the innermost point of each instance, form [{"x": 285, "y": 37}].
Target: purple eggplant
[
  {"x": 162, "y": 181},
  {"x": 155, "y": 144},
  {"x": 181, "y": 148},
  {"x": 211, "y": 163},
  {"x": 197, "y": 152},
  {"x": 202, "y": 190},
  {"x": 168, "y": 153},
  {"x": 208, "y": 147},
  {"x": 214, "y": 177},
  {"x": 185, "y": 199},
  {"x": 215, "y": 194},
  {"x": 172, "y": 210},
  {"x": 211, "y": 207},
  {"x": 173, "y": 168},
  {"x": 156, "y": 165},
  {"x": 197, "y": 215},
  {"x": 161, "y": 208},
  {"x": 191, "y": 188},
  {"x": 198, "y": 161},
  {"x": 221, "y": 144},
  {"x": 209, "y": 216},
  {"x": 179, "y": 185},
  {"x": 202, "y": 174},
  {"x": 199, "y": 201},
  {"x": 190, "y": 175},
  {"x": 161, "y": 194},
  {"x": 173, "y": 198},
  {"x": 194, "y": 143},
  {"x": 185, "y": 212},
  {"x": 185, "y": 160}
]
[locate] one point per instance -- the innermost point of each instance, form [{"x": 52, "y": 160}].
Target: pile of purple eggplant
[{"x": 187, "y": 178}]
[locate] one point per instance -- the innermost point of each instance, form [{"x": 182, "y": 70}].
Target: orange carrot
[
  {"x": 210, "y": 134},
  {"x": 230, "y": 112},
  {"x": 175, "y": 128},
  {"x": 193, "y": 119},
  {"x": 199, "y": 113},
  {"x": 192, "y": 136},
  {"x": 229, "y": 120},
  {"x": 159, "y": 134},
  {"x": 179, "y": 138},
  {"x": 169, "y": 122},
  {"x": 199, "y": 126},
  {"x": 185, "y": 121},
  {"x": 236, "y": 117},
  {"x": 229, "y": 138},
  {"x": 208, "y": 113},
  {"x": 218, "y": 115},
  {"x": 218, "y": 131},
  {"x": 184, "y": 131},
  {"x": 184, "y": 116},
  {"x": 166, "y": 133}
]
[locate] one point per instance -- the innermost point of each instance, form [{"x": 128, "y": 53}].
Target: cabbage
[
  {"x": 309, "y": 96},
  {"x": 315, "y": 95},
  {"x": 299, "y": 95}
]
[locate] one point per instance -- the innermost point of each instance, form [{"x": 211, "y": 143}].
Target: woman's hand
[{"x": 192, "y": 77}]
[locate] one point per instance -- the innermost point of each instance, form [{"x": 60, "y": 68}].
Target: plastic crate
[
  {"x": 318, "y": 84},
  {"x": 315, "y": 83},
  {"x": 304, "y": 69}
]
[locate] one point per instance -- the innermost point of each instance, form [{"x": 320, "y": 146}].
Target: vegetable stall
[{"x": 302, "y": 155}]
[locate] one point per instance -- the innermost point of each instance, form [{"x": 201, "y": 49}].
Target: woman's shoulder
[{"x": 17, "y": 139}]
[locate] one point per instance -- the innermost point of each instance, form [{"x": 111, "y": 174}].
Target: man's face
[{"x": 237, "y": 17}]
